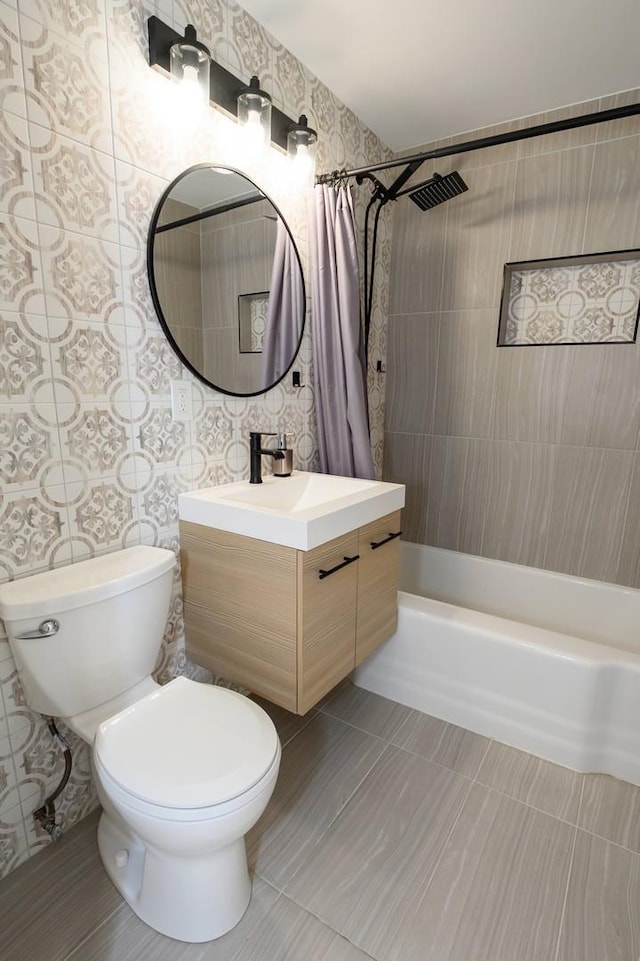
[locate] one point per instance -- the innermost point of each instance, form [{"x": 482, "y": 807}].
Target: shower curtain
[
  {"x": 285, "y": 310},
  {"x": 338, "y": 349}
]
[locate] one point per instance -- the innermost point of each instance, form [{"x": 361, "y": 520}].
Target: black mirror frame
[{"x": 154, "y": 291}]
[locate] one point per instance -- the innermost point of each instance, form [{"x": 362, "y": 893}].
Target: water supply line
[{"x": 45, "y": 816}]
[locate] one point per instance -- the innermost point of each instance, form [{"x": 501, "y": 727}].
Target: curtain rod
[{"x": 541, "y": 130}]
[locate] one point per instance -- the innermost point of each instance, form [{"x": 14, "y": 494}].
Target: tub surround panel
[
  {"x": 92, "y": 136},
  {"x": 531, "y": 390},
  {"x": 458, "y": 479},
  {"x": 629, "y": 563},
  {"x": 542, "y": 411},
  {"x": 407, "y": 457},
  {"x": 550, "y": 204},
  {"x": 417, "y": 259},
  {"x": 566, "y": 139},
  {"x": 477, "y": 238},
  {"x": 588, "y": 509},
  {"x": 502, "y": 153},
  {"x": 520, "y": 486},
  {"x": 595, "y": 413},
  {"x": 412, "y": 360},
  {"x": 465, "y": 394},
  {"x": 613, "y": 221}
]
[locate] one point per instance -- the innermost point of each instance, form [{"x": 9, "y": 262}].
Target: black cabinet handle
[
  {"x": 376, "y": 544},
  {"x": 338, "y": 567}
]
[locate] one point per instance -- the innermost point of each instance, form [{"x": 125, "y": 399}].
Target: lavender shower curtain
[
  {"x": 285, "y": 310},
  {"x": 338, "y": 349}
]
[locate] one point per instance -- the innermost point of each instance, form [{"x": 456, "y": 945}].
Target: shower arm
[{"x": 511, "y": 136}]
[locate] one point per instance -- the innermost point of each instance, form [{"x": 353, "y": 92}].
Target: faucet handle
[{"x": 255, "y": 437}]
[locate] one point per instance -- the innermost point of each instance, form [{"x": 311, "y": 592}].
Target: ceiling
[{"x": 416, "y": 70}]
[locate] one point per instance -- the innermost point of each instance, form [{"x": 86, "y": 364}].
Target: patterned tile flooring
[{"x": 391, "y": 836}]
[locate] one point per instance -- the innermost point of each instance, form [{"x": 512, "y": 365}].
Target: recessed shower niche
[{"x": 589, "y": 299}]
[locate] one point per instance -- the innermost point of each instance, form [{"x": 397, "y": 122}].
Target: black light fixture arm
[{"x": 511, "y": 136}]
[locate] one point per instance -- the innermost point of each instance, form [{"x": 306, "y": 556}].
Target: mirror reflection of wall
[
  {"x": 213, "y": 246},
  {"x": 237, "y": 257},
  {"x": 178, "y": 272}
]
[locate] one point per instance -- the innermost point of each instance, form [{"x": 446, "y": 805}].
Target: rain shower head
[{"x": 435, "y": 191}]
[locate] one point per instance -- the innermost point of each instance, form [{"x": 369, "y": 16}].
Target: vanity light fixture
[
  {"x": 245, "y": 102},
  {"x": 190, "y": 63},
  {"x": 254, "y": 112},
  {"x": 301, "y": 141}
]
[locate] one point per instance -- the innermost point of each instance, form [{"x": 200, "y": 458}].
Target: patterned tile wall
[
  {"x": 529, "y": 456},
  {"x": 594, "y": 303},
  {"x": 90, "y": 459}
]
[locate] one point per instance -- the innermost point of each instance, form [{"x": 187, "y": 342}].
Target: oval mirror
[{"x": 226, "y": 280}]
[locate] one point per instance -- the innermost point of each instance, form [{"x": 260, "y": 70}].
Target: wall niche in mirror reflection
[
  {"x": 219, "y": 251},
  {"x": 253, "y": 310}
]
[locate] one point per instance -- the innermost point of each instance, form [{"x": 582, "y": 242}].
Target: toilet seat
[
  {"x": 187, "y": 747},
  {"x": 124, "y": 801}
]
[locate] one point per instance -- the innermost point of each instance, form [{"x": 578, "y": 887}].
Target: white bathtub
[{"x": 544, "y": 662}]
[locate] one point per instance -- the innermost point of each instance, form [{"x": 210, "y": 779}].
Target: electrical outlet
[{"x": 181, "y": 404}]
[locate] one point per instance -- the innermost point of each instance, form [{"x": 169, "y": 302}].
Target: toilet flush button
[{"x": 121, "y": 858}]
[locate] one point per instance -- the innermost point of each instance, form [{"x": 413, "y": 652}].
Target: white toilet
[{"x": 183, "y": 771}]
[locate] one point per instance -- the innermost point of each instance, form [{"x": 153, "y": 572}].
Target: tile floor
[{"x": 391, "y": 835}]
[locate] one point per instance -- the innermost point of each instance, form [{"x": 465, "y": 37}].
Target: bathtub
[{"x": 545, "y": 662}]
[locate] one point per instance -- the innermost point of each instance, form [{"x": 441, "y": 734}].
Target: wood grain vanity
[{"x": 288, "y": 624}]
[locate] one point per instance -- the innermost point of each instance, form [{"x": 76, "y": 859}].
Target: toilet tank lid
[{"x": 86, "y": 582}]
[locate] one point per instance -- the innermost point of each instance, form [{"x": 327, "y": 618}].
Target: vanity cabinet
[{"x": 285, "y": 623}]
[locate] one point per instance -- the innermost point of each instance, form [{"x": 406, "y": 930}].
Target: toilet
[{"x": 182, "y": 771}]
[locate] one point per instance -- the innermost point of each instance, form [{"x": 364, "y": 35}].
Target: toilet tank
[{"x": 112, "y": 612}]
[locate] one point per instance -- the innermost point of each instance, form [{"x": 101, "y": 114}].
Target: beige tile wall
[
  {"x": 90, "y": 458},
  {"x": 528, "y": 454}
]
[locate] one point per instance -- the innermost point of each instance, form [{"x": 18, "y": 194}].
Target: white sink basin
[{"x": 300, "y": 511}]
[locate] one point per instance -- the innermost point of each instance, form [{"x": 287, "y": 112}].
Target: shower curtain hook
[{"x": 341, "y": 178}]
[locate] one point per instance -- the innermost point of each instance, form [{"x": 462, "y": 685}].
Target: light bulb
[
  {"x": 190, "y": 65},
  {"x": 191, "y": 82},
  {"x": 254, "y": 115},
  {"x": 303, "y": 161},
  {"x": 253, "y": 132}
]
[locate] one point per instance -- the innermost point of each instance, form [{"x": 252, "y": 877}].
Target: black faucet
[{"x": 256, "y": 452}]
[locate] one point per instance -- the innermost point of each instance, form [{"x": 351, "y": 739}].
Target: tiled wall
[
  {"x": 593, "y": 303},
  {"x": 527, "y": 454},
  {"x": 91, "y": 459}
]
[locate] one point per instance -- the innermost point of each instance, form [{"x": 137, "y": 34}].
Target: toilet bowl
[
  {"x": 187, "y": 771},
  {"x": 182, "y": 771}
]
